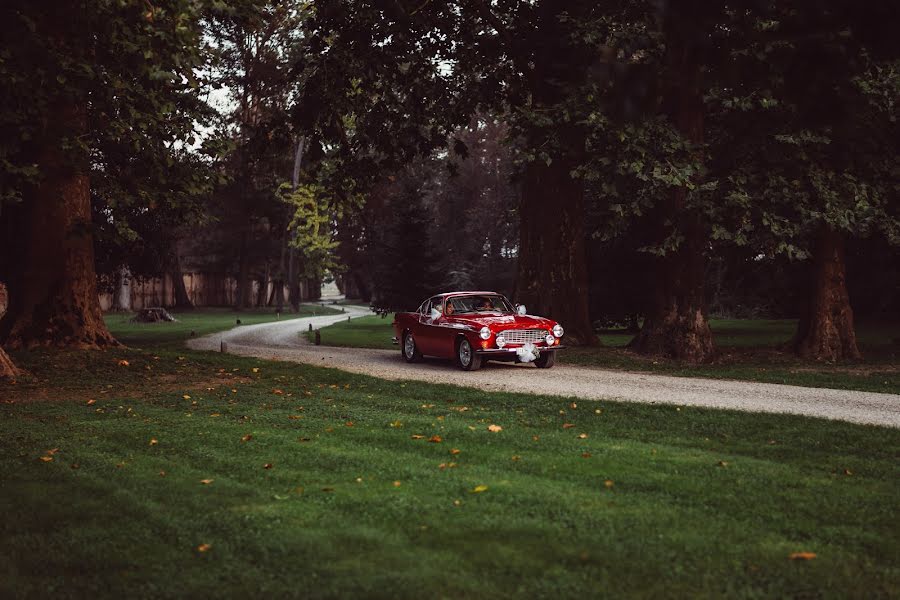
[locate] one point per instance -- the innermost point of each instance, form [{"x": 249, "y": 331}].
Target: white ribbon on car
[{"x": 527, "y": 353}]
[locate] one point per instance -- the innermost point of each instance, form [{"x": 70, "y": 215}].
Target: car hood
[{"x": 502, "y": 322}]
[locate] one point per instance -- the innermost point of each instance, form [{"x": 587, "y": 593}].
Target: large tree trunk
[
  {"x": 53, "y": 298},
  {"x": 676, "y": 324},
  {"x": 552, "y": 271},
  {"x": 826, "y": 330},
  {"x": 552, "y": 277},
  {"x": 182, "y": 300},
  {"x": 8, "y": 370}
]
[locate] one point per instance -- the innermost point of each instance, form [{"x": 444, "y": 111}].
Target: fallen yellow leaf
[
  {"x": 609, "y": 483},
  {"x": 479, "y": 488},
  {"x": 278, "y": 392},
  {"x": 206, "y": 481},
  {"x": 123, "y": 363},
  {"x": 568, "y": 425},
  {"x": 256, "y": 369},
  {"x": 153, "y": 441},
  {"x": 802, "y": 556},
  {"x": 582, "y": 436},
  {"x": 494, "y": 428},
  {"x": 268, "y": 466},
  {"x": 397, "y": 484},
  {"x": 204, "y": 548},
  {"x": 91, "y": 401},
  {"x": 416, "y": 436},
  {"x": 247, "y": 438},
  {"x": 455, "y": 450},
  {"x": 186, "y": 397},
  {"x": 46, "y": 458},
  {"x": 435, "y": 439}
]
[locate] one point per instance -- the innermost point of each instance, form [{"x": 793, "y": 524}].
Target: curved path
[{"x": 282, "y": 340}]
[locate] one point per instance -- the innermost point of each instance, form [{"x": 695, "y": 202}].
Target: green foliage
[
  {"x": 138, "y": 74},
  {"x": 312, "y": 227}
]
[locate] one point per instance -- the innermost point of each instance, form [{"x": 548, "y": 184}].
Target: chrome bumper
[{"x": 513, "y": 350}]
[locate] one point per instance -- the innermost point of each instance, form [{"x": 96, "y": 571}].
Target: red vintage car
[{"x": 472, "y": 327}]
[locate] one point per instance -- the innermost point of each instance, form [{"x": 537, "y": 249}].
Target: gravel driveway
[{"x": 283, "y": 341}]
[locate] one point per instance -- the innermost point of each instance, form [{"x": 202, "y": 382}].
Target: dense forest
[{"x": 637, "y": 164}]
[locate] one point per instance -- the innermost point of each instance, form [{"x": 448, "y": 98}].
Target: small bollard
[
  {"x": 348, "y": 318},
  {"x": 343, "y": 309},
  {"x": 223, "y": 347},
  {"x": 310, "y": 326},
  {"x": 277, "y": 315},
  {"x": 318, "y": 338}
]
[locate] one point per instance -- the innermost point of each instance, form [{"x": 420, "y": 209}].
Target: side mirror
[
  {"x": 520, "y": 309},
  {"x": 435, "y": 314}
]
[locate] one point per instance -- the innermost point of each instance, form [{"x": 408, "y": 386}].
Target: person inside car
[{"x": 484, "y": 304}]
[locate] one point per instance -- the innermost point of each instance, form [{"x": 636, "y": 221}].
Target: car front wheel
[
  {"x": 409, "y": 349},
  {"x": 545, "y": 360},
  {"x": 466, "y": 357}
]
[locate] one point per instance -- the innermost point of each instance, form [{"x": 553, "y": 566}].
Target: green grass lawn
[
  {"x": 102, "y": 467},
  {"x": 200, "y": 321},
  {"x": 748, "y": 351},
  {"x": 361, "y": 332}
]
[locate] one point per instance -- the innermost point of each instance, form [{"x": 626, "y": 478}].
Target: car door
[{"x": 431, "y": 331}]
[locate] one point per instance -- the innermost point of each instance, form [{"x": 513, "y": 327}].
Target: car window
[{"x": 478, "y": 303}]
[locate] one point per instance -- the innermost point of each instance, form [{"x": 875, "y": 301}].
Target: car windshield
[{"x": 478, "y": 303}]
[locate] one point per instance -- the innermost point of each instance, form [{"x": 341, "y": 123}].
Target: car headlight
[
  {"x": 485, "y": 333},
  {"x": 501, "y": 341},
  {"x": 558, "y": 330},
  {"x": 549, "y": 339}
]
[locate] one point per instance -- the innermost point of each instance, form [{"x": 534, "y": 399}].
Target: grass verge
[
  {"x": 321, "y": 483},
  {"x": 748, "y": 352}
]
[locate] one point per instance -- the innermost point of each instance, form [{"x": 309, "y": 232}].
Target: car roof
[{"x": 465, "y": 293}]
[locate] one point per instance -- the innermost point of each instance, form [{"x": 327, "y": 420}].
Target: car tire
[
  {"x": 409, "y": 349},
  {"x": 546, "y": 360},
  {"x": 466, "y": 357}
]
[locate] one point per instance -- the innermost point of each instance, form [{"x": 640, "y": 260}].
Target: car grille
[{"x": 523, "y": 336}]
